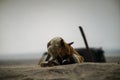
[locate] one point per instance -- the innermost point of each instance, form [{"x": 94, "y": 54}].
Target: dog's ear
[
  {"x": 48, "y": 44},
  {"x": 62, "y": 43},
  {"x": 70, "y": 43}
]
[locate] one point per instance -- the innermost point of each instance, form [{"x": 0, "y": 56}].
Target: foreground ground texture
[{"x": 84, "y": 71}]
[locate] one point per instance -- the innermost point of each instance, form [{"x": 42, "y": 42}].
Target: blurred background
[{"x": 27, "y": 25}]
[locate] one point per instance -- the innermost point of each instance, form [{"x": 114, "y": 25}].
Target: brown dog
[{"x": 59, "y": 50}]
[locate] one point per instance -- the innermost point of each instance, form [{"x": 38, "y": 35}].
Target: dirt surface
[{"x": 84, "y": 71}]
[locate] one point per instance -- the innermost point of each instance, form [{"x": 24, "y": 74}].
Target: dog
[{"x": 62, "y": 53}]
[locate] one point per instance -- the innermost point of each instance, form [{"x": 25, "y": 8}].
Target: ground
[{"x": 83, "y": 71}]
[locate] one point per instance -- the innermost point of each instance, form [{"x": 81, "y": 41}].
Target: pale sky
[{"x": 27, "y": 25}]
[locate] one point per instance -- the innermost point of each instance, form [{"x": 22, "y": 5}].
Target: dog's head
[{"x": 57, "y": 47}]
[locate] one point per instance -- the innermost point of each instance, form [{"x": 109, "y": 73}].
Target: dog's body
[{"x": 59, "y": 50}]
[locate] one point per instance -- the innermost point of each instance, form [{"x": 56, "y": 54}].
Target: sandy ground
[{"x": 84, "y": 71}]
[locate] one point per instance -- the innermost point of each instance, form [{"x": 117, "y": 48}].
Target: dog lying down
[{"x": 61, "y": 53}]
